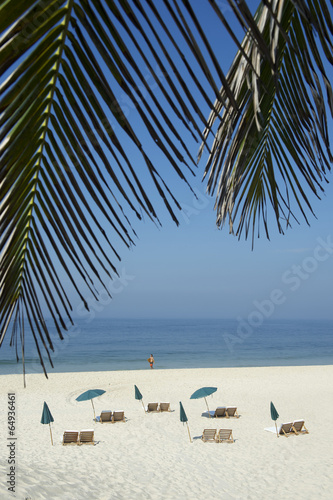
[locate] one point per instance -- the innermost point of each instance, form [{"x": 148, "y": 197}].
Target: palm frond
[
  {"x": 274, "y": 149},
  {"x": 69, "y": 187}
]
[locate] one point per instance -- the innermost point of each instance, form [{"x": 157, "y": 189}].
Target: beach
[{"x": 150, "y": 455}]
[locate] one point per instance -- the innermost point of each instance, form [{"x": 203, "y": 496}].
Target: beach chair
[
  {"x": 70, "y": 437},
  {"x": 299, "y": 428},
  {"x": 209, "y": 435},
  {"x": 165, "y": 407},
  {"x": 220, "y": 412},
  {"x": 105, "y": 416},
  {"x": 286, "y": 429},
  {"x": 87, "y": 436},
  {"x": 231, "y": 411},
  {"x": 152, "y": 407},
  {"x": 224, "y": 436},
  {"x": 118, "y": 416}
]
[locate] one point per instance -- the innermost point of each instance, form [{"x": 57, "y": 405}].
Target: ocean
[{"x": 125, "y": 344}]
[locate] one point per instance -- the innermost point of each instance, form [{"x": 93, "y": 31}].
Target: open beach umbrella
[
  {"x": 47, "y": 418},
  {"x": 183, "y": 418},
  {"x": 275, "y": 416},
  {"x": 92, "y": 393},
  {"x": 138, "y": 396},
  {"x": 203, "y": 393}
]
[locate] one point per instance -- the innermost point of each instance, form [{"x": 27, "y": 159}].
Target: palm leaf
[
  {"x": 274, "y": 150},
  {"x": 65, "y": 170}
]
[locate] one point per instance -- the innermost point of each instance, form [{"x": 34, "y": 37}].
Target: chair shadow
[
  {"x": 206, "y": 415},
  {"x": 199, "y": 437}
]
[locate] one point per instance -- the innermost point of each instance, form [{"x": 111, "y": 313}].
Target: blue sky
[{"x": 196, "y": 270}]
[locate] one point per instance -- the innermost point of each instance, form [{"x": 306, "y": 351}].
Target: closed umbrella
[
  {"x": 203, "y": 393},
  {"x": 275, "y": 416},
  {"x": 47, "y": 418},
  {"x": 92, "y": 393},
  {"x": 183, "y": 418},
  {"x": 138, "y": 396}
]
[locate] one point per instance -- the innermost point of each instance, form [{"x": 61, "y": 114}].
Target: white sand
[{"x": 150, "y": 456}]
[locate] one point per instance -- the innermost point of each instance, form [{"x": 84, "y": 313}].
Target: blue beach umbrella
[
  {"x": 90, "y": 394},
  {"x": 203, "y": 393},
  {"x": 47, "y": 418},
  {"x": 183, "y": 418},
  {"x": 138, "y": 396},
  {"x": 275, "y": 416}
]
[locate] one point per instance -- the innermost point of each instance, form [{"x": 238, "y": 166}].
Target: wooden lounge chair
[
  {"x": 220, "y": 412},
  {"x": 105, "y": 416},
  {"x": 87, "y": 436},
  {"x": 286, "y": 429},
  {"x": 152, "y": 407},
  {"x": 118, "y": 416},
  {"x": 164, "y": 406},
  {"x": 70, "y": 437},
  {"x": 224, "y": 436},
  {"x": 299, "y": 428},
  {"x": 209, "y": 435},
  {"x": 231, "y": 411}
]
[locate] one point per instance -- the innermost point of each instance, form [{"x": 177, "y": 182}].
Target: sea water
[{"x": 125, "y": 344}]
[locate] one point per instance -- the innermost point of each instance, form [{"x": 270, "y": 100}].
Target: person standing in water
[{"x": 151, "y": 361}]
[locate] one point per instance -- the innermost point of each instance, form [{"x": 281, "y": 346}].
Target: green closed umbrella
[
  {"x": 203, "y": 393},
  {"x": 138, "y": 396},
  {"x": 90, "y": 394},
  {"x": 183, "y": 418},
  {"x": 47, "y": 418},
  {"x": 275, "y": 416}
]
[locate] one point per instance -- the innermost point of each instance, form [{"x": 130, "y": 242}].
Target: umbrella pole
[
  {"x": 276, "y": 429},
  {"x": 93, "y": 409},
  {"x": 144, "y": 409},
  {"x": 208, "y": 408},
  {"x": 51, "y": 434},
  {"x": 188, "y": 429}
]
